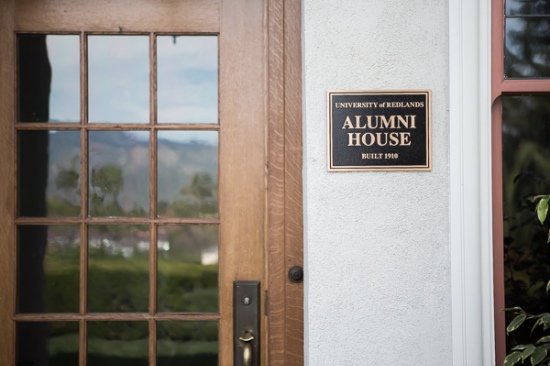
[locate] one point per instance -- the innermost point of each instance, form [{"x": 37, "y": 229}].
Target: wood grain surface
[{"x": 260, "y": 156}]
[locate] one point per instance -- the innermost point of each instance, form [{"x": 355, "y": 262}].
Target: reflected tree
[
  {"x": 526, "y": 174},
  {"x": 527, "y": 52},
  {"x": 67, "y": 179},
  {"x": 202, "y": 192},
  {"x": 106, "y": 181}
]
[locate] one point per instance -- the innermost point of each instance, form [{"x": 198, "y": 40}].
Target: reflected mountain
[{"x": 119, "y": 175}]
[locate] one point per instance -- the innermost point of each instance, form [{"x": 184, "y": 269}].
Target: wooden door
[{"x": 150, "y": 155}]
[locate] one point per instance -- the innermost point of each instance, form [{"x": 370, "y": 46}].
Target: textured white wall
[{"x": 376, "y": 243}]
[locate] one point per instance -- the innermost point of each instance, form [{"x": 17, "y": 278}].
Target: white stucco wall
[{"x": 376, "y": 243}]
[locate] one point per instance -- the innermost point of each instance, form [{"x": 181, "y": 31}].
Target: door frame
[{"x": 283, "y": 195}]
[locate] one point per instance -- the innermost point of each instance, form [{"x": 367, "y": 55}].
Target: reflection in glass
[
  {"x": 48, "y": 269},
  {"x": 187, "y": 79},
  {"x": 187, "y": 343},
  {"x": 526, "y": 174},
  {"x": 529, "y": 7},
  {"x": 47, "y": 343},
  {"x": 49, "y": 173},
  {"x": 118, "y": 343},
  {"x": 118, "y": 74},
  {"x": 49, "y": 78},
  {"x": 118, "y": 268},
  {"x": 527, "y": 48},
  {"x": 187, "y": 276},
  {"x": 187, "y": 171},
  {"x": 118, "y": 173}
]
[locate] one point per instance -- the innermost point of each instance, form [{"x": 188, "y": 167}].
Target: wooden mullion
[
  {"x": 83, "y": 269},
  {"x": 187, "y": 316},
  {"x": 83, "y": 343},
  {"x": 152, "y": 342},
  {"x": 118, "y": 126},
  {"x": 152, "y": 198},
  {"x": 45, "y": 317},
  {"x": 152, "y": 79},
  {"x": 114, "y": 221},
  {"x": 188, "y": 126},
  {"x": 83, "y": 173},
  {"x": 153, "y": 269},
  {"x": 48, "y": 126},
  {"x": 83, "y": 78},
  {"x": 83, "y": 334},
  {"x": 47, "y": 220},
  {"x": 8, "y": 148}
]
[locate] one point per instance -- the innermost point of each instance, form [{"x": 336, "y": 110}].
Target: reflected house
[
  {"x": 209, "y": 256},
  {"x": 125, "y": 245}
]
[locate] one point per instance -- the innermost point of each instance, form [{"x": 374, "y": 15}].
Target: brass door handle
[{"x": 246, "y": 339}]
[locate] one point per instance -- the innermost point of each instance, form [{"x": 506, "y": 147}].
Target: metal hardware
[
  {"x": 247, "y": 348},
  {"x": 296, "y": 274},
  {"x": 246, "y": 323}
]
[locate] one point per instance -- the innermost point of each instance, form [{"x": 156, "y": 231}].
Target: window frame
[
  {"x": 470, "y": 197},
  {"x": 500, "y": 86}
]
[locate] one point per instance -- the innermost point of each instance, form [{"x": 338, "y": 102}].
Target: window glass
[
  {"x": 48, "y": 78},
  {"x": 118, "y": 79},
  {"x": 526, "y": 174},
  {"x": 527, "y": 48}
]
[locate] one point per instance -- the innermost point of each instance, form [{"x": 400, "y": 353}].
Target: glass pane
[
  {"x": 187, "y": 171},
  {"x": 118, "y": 344},
  {"x": 47, "y": 344},
  {"x": 48, "y": 269},
  {"x": 526, "y": 173},
  {"x": 527, "y": 7},
  {"x": 527, "y": 48},
  {"x": 118, "y": 268},
  {"x": 187, "y": 276},
  {"x": 49, "y": 78},
  {"x": 49, "y": 173},
  {"x": 187, "y": 343},
  {"x": 187, "y": 79},
  {"x": 119, "y": 173},
  {"x": 118, "y": 74}
]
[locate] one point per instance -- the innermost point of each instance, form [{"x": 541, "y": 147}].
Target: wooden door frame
[
  {"x": 284, "y": 188},
  {"x": 283, "y": 196}
]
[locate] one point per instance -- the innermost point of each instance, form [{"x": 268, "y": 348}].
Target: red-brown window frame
[{"x": 501, "y": 86}]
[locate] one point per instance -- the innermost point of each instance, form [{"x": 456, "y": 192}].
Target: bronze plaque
[{"x": 379, "y": 130}]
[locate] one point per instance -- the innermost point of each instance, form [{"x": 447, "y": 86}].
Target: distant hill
[{"x": 127, "y": 153}]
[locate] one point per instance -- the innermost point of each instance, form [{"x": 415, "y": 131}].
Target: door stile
[
  {"x": 294, "y": 299},
  {"x": 242, "y": 155},
  {"x": 285, "y": 230},
  {"x": 7, "y": 182},
  {"x": 275, "y": 225}
]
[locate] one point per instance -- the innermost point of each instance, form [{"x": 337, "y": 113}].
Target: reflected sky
[
  {"x": 527, "y": 7},
  {"x": 187, "y": 79},
  {"x": 119, "y": 78},
  {"x": 118, "y": 73},
  {"x": 64, "y": 56}
]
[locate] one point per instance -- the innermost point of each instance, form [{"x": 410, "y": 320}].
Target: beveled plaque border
[{"x": 362, "y": 168}]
